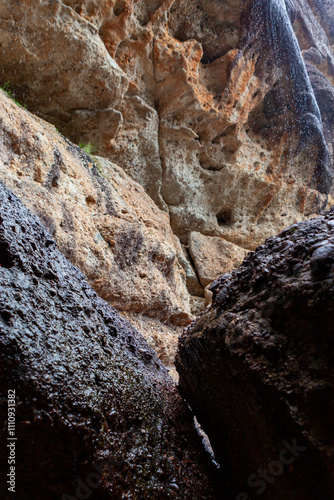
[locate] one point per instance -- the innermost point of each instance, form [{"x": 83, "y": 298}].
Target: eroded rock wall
[
  {"x": 213, "y": 122},
  {"x": 209, "y": 105},
  {"x": 102, "y": 221},
  {"x": 222, "y": 111}
]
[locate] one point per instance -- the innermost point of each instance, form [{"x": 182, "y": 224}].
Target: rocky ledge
[{"x": 257, "y": 367}]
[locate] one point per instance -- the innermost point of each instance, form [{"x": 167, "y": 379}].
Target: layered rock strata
[
  {"x": 257, "y": 367},
  {"x": 96, "y": 414}
]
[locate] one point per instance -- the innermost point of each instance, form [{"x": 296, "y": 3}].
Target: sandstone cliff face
[
  {"x": 96, "y": 413},
  {"x": 102, "y": 221},
  {"x": 257, "y": 367},
  {"x": 207, "y": 104},
  {"x": 213, "y": 107}
]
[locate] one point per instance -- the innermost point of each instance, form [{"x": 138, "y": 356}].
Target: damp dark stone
[
  {"x": 6, "y": 258},
  {"x": 257, "y": 367},
  {"x": 71, "y": 368},
  {"x": 322, "y": 261}
]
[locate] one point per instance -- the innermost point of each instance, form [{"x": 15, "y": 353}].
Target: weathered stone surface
[
  {"x": 241, "y": 123},
  {"x": 136, "y": 147},
  {"x": 193, "y": 284},
  {"x": 312, "y": 23},
  {"x": 257, "y": 367},
  {"x": 96, "y": 413},
  {"x": 214, "y": 256},
  {"x": 324, "y": 92},
  {"x": 207, "y": 104},
  {"x": 102, "y": 220},
  {"x": 47, "y": 49},
  {"x": 324, "y": 10}
]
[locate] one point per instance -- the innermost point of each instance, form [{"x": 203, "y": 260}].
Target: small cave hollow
[
  {"x": 119, "y": 8},
  {"x": 225, "y": 218}
]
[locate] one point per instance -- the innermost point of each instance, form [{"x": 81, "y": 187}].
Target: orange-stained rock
[
  {"x": 207, "y": 105},
  {"x": 194, "y": 100}
]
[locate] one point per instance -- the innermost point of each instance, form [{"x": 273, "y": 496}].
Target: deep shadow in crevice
[
  {"x": 225, "y": 218},
  {"x": 6, "y": 258}
]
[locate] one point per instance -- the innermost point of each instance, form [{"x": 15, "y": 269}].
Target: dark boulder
[
  {"x": 97, "y": 415},
  {"x": 257, "y": 367}
]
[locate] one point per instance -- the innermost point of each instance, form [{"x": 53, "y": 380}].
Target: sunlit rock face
[
  {"x": 257, "y": 367},
  {"x": 97, "y": 414},
  {"x": 208, "y": 104}
]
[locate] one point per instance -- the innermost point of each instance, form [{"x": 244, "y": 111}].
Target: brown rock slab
[
  {"x": 96, "y": 414},
  {"x": 193, "y": 284},
  {"x": 213, "y": 256},
  {"x": 257, "y": 367}
]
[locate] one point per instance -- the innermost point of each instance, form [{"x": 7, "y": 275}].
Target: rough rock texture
[
  {"x": 213, "y": 256},
  {"x": 222, "y": 112},
  {"x": 96, "y": 413},
  {"x": 208, "y": 103},
  {"x": 102, "y": 221},
  {"x": 257, "y": 367},
  {"x": 49, "y": 51},
  {"x": 193, "y": 284}
]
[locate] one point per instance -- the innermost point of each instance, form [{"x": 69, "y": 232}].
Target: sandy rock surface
[{"x": 214, "y": 256}]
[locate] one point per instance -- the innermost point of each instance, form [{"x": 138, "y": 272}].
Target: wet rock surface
[
  {"x": 324, "y": 92},
  {"x": 257, "y": 367},
  {"x": 223, "y": 112},
  {"x": 97, "y": 415}
]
